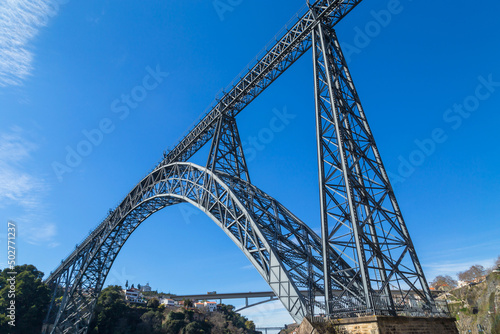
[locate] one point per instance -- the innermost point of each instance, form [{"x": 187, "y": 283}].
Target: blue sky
[{"x": 428, "y": 77}]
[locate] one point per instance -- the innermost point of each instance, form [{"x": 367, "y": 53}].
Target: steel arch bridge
[
  {"x": 363, "y": 262},
  {"x": 285, "y": 251}
]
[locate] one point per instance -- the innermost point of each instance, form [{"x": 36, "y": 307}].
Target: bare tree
[
  {"x": 471, "y": 274},
  {"x": 444, "y": 283}
]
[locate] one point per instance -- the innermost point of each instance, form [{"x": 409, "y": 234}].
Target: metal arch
[{"x": 286, "y": 261}]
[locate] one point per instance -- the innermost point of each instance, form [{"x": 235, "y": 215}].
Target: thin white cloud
[
  {"x": 248, "y": 267},
  {"x": 23, "y": 191},
  {"x": 271, "y": 314},
  {"x": 469, "y": 249},
  {"x": 16, "y": 185},
  {"x": 452, "y": 268},
  {"x": 20, "y": 21},
  {"x": 33, "y": 229}
]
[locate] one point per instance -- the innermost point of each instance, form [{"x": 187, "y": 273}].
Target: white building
[
  {"x": 167, "y": 302},
  {"x": 133, "y": 295},
  {"x": 199, "y": 305},
  {"x": 146, "y": 288},
  {"x": 211, "y": 306}
]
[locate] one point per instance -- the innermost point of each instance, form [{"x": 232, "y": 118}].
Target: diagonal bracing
[{"x": 360, "y": 216}]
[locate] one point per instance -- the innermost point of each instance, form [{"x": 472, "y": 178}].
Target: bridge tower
[
  {"x": 363, "y": 263},
  {"x": 360, "y": 216}
]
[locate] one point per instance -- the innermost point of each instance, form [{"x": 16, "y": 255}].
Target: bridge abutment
[{"x": 379, "y": 325}]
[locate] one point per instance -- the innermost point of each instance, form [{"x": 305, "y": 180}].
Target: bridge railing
[{"x": 382, "y": 306}]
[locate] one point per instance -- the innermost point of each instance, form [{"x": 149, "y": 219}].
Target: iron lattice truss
[
  {"x": 285, "y": 251},
  {"x": 364, "y": 261},
  {"x": 288, "y": 49},
  {"x": 360, "y": 216}
]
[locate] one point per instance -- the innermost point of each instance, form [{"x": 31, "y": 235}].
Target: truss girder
[
  {"x": 285, "y": 251},
  {"x": 226, "y": 153},
  {"x": 295, "y": 41},
  {"x": 360, "y": 216}
]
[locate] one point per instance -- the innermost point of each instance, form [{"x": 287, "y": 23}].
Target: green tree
[
  {"x": 152, "y": 321},
  {"x": 174, "y": 326},
  {"x": 32, "y": 298},
  {"x": 250, "y": 325},
  {"x": 153, "y": 303},
  {"x": 188, "y": 315},
  {"x": 175, "y": 316},
  {"x": 188, "y": 303},
  {"x": 110, "y": 310},
  {"x": 196, "y": 327}
]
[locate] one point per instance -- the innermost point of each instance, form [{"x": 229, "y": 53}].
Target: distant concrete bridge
[{"x": 254, "y": 295}]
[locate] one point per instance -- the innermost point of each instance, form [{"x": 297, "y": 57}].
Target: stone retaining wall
[{"x": 381, "y": 325}]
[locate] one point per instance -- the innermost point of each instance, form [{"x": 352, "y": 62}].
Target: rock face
[{"x": 477, "y": 307}]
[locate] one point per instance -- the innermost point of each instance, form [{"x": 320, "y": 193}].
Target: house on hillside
[
  {"x": 167, "y": 302},
  {"x": 210, "y": 306},
  {"x": 472, "y": 282},
  {"x": 134, "y": 295},
  {"x": 146, "y": 288}
]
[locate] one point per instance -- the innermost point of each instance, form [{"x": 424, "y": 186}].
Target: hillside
[
  {"x": 114, "y": 315},
  {"x": 477, "y": 307}
]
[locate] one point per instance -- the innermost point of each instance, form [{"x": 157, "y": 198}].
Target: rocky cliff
[{"x": 477, "y": 307}]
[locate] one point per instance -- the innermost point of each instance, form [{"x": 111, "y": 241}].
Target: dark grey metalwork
[
  {"x": 361, "y": 219},
  {"x": 226, "y": 153},
  {"x": 285, "y": 251},
  {"x": 289, "y": 48},
  {"x": 363, "y": 263}
]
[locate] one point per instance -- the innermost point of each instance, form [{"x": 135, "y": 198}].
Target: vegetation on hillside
[
  {"x": 24, "y": 300},
  {"x": 31, "y": 298},
  {"x": 114, "y": 315},
  {"x": 477, "y": 307}
]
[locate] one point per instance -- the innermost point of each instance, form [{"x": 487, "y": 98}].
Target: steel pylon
[
  {"x": 226, "y": 152},
  {"x": 360, "y": 217}
]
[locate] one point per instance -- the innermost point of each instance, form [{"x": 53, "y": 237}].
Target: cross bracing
[
  {"x": 363, "y": 262},
  {"x": 289, "y": 48},
  {"x": 285, "y": 251},
  {"x": 360, "y": 215}
]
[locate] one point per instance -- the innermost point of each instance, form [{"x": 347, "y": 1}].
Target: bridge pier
[{"x": 379, "y": 325}]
